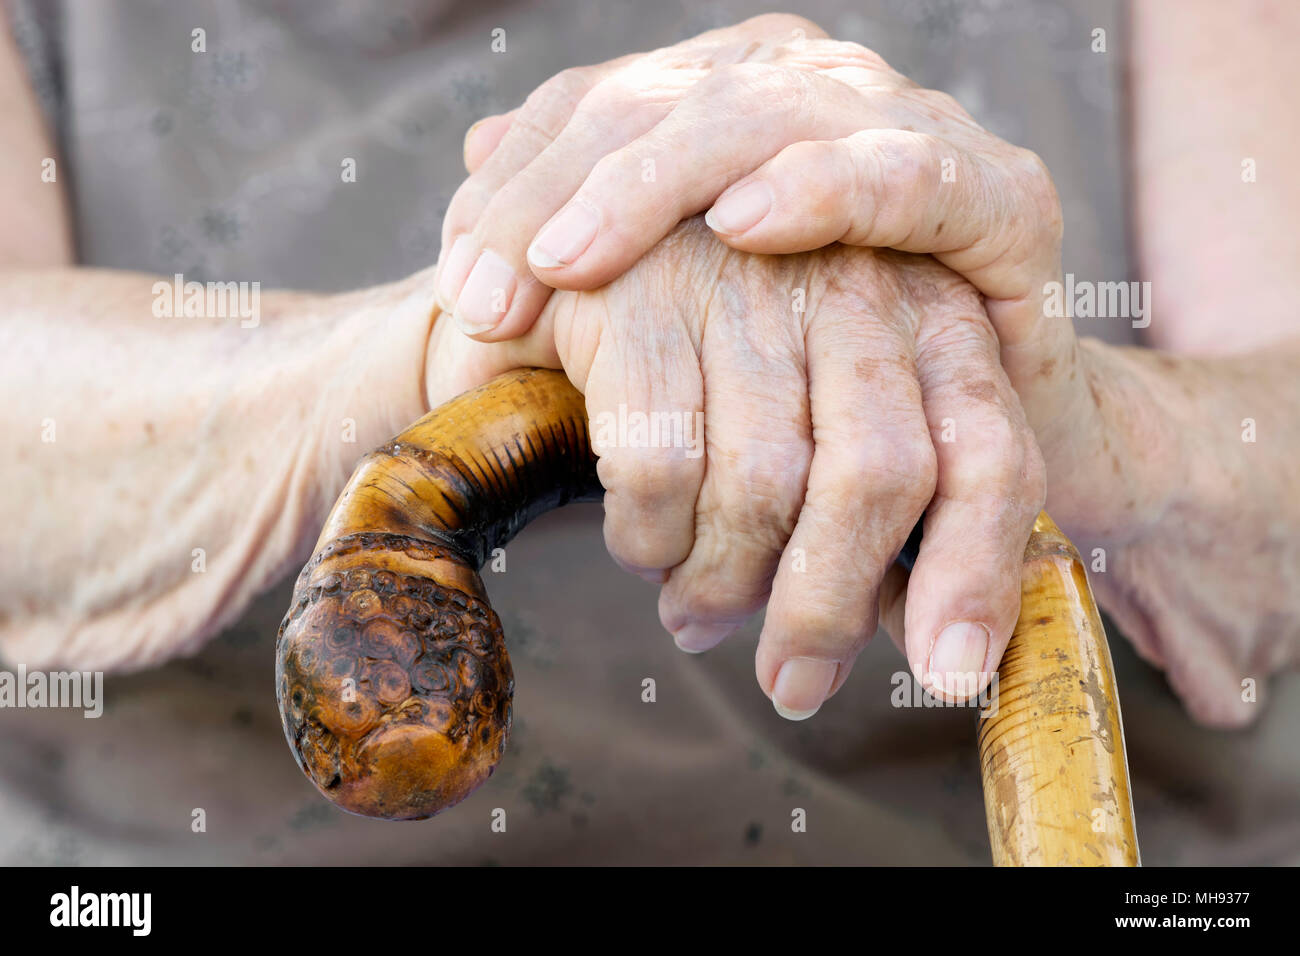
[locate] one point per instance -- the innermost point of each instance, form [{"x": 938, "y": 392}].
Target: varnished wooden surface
[
  {"x": 1056, "y": 788},
  {"x": 393, "y": 680}
]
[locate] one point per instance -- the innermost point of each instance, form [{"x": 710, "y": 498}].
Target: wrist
[
  {"x": 1116, "y": 455},
  {"x": 367, "y": 371},
  {"x": 1196, "y": 441},
  {"x": 1205, "y": 583}
]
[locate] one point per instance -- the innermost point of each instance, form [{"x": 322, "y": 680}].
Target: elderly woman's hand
[
  {"x": 816, "y": 140},
  {"x": 790, "y": 140},
  {"x": 843, "y": 394}
]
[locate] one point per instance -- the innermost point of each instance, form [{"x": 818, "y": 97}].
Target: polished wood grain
[
  {"x": 1056, "y": 787},
  {"x": 392, "y": 676}
]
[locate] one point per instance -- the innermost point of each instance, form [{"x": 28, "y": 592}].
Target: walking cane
[{"x": 395, "y": 687}]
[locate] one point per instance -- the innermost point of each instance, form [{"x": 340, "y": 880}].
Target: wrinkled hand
[
  {"x": 843, "y": 394},
  {"x": 791, "y": 140}
]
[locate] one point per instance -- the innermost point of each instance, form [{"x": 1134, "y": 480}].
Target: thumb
[{"x": 455, "y": 363}]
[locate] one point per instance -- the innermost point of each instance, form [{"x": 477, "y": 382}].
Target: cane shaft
[{"x": 1056, "y": 787}]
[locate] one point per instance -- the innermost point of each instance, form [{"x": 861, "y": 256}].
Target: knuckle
[
  {"x": 784, "y": 25},
  {"x": 709, "y": 598},
  {"x": 751, "y": 89},
  {"x": 467, "y": 205},
  {"x": 902, "y": 468},
  {"x": 769, "y": 470},
  {"x": 613, "y": 172},
  {"x": 821, "y": 628},
  {"x": 1000, "y": 443},
  {"x": 850, "y": 63},
  {"x": 818, "y": 169},
  {"x": 761, "y": 497},
  {"x": 815, "y": 158},
  {"x": 1044, "y": 203},
  {"x": 837, "y": 53},
  {"x": 960, "y": 331},
  {"x": 915, "y": 467},
  {"x": 1003, "y": 477},
  {"x": 992, "y": 462},
  {"x": 891, "y": 172},
  {"x": 912, "y": 159},
  {"x": 646, "y": 477},
  {"x": 637, "y": 546},
  {"x": 1031, "y": 165},
  {"x": 812, "y": 622},
  {"x": 944, "y": 104},
  {"x": 627, "y": 104},
  {"x": 548, "y": 108}
]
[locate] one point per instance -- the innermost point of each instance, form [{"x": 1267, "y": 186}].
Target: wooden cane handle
[
  {"x": 392, "y": 677},
  {"x": 395, "y": 686}
]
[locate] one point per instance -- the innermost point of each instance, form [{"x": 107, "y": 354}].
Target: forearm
[
  {"x": 165, "y": 469},
  {"x": 1188, "y": 514},
  {"x": 1219, "y": 433},
  {"x": 1215, "y": 135}
]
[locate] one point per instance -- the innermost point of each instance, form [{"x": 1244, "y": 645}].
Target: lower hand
[
  {"x": 792, "y": 140},
  {"x": 827, "y": 433}
]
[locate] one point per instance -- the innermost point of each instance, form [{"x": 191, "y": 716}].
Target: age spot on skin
[
  {"x": 868, "y": 369},
  {"x": 1092, "y": 387},
  {"x": 1046, "y": 368},
  {"x": 980, "y": 391}
]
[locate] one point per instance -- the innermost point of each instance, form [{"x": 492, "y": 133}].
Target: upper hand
[{"x": 790, "y": 140}]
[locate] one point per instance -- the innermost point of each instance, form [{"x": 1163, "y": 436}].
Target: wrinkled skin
[
  {"x": 1134, "y": 453},
  {"x": 1194, "y": 528},
  {"x": 823, "y": 444},
  {"x": 1144, "y": 451}
]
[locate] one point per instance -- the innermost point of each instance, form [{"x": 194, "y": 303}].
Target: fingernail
[
  {"x": 958, "y": 653},
  {"x": 566, "y": 237},
  {"x": 741, "y": 209},
  {"x": 801, "y": 687},
  {"x": 454, "y": 270},
  {"x": 485, "y": 298},
  {"x": 697, "y": 638}
]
